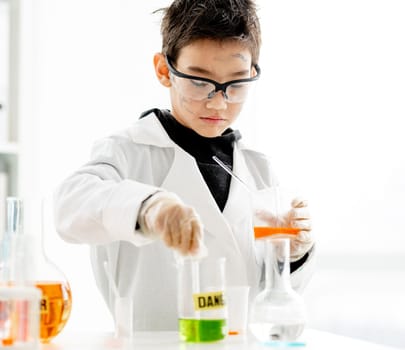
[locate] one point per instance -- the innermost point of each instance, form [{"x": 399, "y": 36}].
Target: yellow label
[
  {"x": 44, "y": 306},
  {"x": 208, "y": 301}
]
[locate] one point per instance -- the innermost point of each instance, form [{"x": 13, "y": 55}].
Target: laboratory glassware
[
  {"x": 237, "y": 300},
  {"x": 33, "y": 267},
  {"x": 278, "y": 312},
  {"x": 123, "y": 308},
  {"x": 19, "y": 317},
  {"x": 265, "y": 201},
  {"x": 270, "y": 208},
  {"x": 201, "y": 302}
]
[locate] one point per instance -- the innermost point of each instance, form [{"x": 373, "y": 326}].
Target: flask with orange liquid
[
  {"x": 33, "y": 267},
  {"x": 278, "y": 314}
]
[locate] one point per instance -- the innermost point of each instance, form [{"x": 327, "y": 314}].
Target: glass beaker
[
  {"x": 201, "y": 305},
  {"x": 278, "y": 312},
  {"x": 19, "y": 317},
  {"x": 31, "y": 266},
  {"x": 237, "y": 300},
  {"x": 270, "y": 208}
]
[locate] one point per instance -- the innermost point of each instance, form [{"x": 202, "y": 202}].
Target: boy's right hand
[{"x": 178, "y": 225}]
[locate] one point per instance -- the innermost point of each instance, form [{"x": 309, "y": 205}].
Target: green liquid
[{"x": 202, "y": 330}]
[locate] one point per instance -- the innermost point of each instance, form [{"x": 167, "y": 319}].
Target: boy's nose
[{"x": 218, "y": 101}]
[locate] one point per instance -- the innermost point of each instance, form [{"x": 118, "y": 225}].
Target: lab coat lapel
[
  {"x": 238, "y": 212},
  {"x": 239, "y": 200},
  {"x": 185, "y": 179}
]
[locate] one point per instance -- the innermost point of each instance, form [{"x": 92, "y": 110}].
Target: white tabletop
[{"x": 313, "y": 339}]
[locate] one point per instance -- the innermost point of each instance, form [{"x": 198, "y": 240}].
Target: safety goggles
[{"x": 199, "y": 88}]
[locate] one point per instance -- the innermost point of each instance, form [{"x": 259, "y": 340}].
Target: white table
[{"x": 314, "y": 340}]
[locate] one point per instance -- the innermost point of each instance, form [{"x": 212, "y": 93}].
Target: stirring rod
[
  {"x": 277, "y": 204},
  {"x": 268, "y": 231},
  {"x": 230, "y": 172}
]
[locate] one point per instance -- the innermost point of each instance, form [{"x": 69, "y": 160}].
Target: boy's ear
[{"x": 161, "y": 70}]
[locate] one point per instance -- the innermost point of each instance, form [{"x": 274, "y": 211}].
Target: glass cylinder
[
  {"x": 32, "y": 267},
  {"x": 19, "y": 317},
  {"x": 278, "y": 312},
  {"x": 201, "y": 305}
]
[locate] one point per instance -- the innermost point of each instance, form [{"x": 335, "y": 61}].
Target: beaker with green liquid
[{"x": 201, "y": 302}]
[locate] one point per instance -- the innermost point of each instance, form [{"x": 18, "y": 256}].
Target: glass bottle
[
  {"x": 278, "y": 312},
  {"x": 19, "y": 303},
  {"x": 33, "y": 267}
]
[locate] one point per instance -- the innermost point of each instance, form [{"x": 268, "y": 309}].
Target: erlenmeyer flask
[
  {"x": 33, "y": 267},
  {"x": 278, "y": 312}
]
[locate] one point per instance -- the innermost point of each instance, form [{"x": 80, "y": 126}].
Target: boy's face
[{"x": 218, "y": 61}]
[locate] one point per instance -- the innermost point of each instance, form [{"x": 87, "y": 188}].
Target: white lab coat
[{"x": 99, "y": 205}]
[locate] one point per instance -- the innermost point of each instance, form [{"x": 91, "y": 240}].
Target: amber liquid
[
  {"x": 56, "y": 304},
  {"x": 266, "y": 231}
]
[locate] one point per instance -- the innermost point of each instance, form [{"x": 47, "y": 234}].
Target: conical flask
[
  {"x": 32, "y": 267},
  {"x": 278, "y": 312}
]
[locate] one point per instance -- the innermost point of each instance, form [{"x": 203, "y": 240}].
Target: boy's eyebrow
[{"x": 238, "y": 55}]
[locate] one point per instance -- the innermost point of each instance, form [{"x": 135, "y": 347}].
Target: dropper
[
  {"x": 262, "y": 231},
  {"x": 230, "y": 172}
]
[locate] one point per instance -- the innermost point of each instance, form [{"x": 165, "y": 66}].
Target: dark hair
[{"x": 185, "y": 21}]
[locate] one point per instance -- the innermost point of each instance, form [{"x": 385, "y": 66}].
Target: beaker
[
  {"x": 201, "y": 306},
  {"x": 237, "y": 300},
  {"x": 30, "y": 266},
  {"x": 19, "y": 317},
  {"x": 278, "y": 312},
  {"x": 270, "y": 212}
]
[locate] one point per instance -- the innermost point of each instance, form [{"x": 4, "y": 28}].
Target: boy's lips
[{"x": 212, "y": 118}]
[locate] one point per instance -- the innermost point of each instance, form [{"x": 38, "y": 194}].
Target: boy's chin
[{"x": 210, "y": 133}]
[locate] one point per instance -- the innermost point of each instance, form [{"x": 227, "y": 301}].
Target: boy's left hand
[{"x": 298, "y": 216}]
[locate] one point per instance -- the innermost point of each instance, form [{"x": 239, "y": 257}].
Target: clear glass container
[
  {"x": 201, "y": 305},
  {"x": 32, "y": 267},
  {"x": 19, "y": 317},
  {"x": 278, "y": 312}
]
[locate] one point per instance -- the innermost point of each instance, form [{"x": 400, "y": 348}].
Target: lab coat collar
[{"x": 149, "y": 131}]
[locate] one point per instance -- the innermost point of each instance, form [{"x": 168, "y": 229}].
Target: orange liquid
[
  {"x": 265, "y": 231},
  {"x": 56, "y": 304}
]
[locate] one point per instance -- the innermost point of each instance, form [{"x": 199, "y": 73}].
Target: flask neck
[
  {"x": 14, "y": 216},
  {"x": 277, "y": 264},
  {"x": 9, "y": 243},
  {"x": 21, "y": 251}
]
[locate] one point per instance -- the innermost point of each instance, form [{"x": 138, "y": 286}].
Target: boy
[{"x": 155, "y": 186}]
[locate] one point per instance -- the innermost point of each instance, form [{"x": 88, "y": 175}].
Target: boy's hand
[
  {"x": 299, "y": 217},
  {"x": 178, "y": 225}
]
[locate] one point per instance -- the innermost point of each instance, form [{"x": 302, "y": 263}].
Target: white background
[{"x": 328, "y": 111}]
